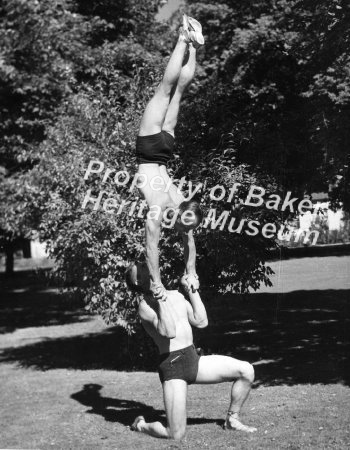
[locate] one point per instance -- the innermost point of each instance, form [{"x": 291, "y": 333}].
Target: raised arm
[
  {"x": 197, "y": 314},
  {"x": 158, "y": 318},
  {"x": 190, "y": 259},
  {"x": 152, "y": 257},
  {"x": 152, "y": 252}
]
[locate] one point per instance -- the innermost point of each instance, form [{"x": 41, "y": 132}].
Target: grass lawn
[
  {"x": 74, "y": 409},
  {"x": 62, "y": 386}
]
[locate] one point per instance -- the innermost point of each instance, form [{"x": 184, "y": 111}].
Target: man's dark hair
[
  {"x": 192, "y": 205},
  {"x": 131, "y": 280}
]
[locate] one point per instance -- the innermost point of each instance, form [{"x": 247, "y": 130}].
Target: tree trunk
[{"x": 9, "y": 250}]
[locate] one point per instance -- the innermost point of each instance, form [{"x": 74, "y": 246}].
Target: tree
[
  {"x": 43, "y": 46},
  {"x": 48, "y": 49},
  {"x": 280, "y": 72}
]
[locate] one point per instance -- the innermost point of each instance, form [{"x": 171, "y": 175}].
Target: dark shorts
[
  {"x": 180, "y": 364},
  {"x": 155, "y": 148}
]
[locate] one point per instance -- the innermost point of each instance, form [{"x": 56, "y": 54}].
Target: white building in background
[
  {"x": 334, "y": 219},
  {"x": 305, "y": 221},
  {"x": 320, "y": 225},
  {"x": 37, "y": 249}
]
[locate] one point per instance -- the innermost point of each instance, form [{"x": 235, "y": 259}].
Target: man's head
[
  {"x": 189, "y": 217},
  {"x": 137, "y": 277}
]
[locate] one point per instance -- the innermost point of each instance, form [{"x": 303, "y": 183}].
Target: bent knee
[{"x": 247, "y": 372}]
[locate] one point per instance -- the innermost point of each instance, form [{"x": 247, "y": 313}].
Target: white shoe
[
  {"x": 197, "y": 37},
  {"x": 185, "y": 23},
  {"x": 194, "y": 24},
  {"x": 194, "y": 29}
]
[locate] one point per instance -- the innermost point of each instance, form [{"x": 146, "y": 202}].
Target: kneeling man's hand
[{"x": 190, "y": 282}]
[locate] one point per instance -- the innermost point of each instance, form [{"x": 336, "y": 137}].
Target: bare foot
[
  {"x": 137, "y": 424},
  {"x": 233, "y": 423}
]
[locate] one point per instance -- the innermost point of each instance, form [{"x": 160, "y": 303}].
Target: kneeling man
[{"x": 169, "y": 323}]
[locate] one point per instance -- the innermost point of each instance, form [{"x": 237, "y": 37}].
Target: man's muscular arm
[
  {"x": 190, "y": 259},
  {"x": 160, "y": 318},
  {"x": 165, "y": 321},
  {"x": 197, "y": 314},
  {"x": 152, "y": 251}
]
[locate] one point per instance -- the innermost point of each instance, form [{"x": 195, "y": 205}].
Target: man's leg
[
  {"x": 185, "y": 78},
  {"x": 154, "y": 115},
  {"x": 218, "y": 369},
  {"x": 175, "y": 395}
]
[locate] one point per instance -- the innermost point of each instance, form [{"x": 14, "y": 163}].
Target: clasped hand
[
  {"x": 158, "y": 291},
  {"x": 190, "y": 282}
]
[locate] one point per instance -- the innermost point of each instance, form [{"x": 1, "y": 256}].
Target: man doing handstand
[
  {"x": 169, "y": 324},
  {"x": 154, "y": 146}
]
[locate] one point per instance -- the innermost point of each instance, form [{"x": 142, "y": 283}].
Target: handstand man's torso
[{"x": 161, "y": 191}]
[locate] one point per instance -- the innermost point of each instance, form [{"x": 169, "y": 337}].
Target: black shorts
[
  {"x": 181, "y": 364},
  {"x": 155, "y": 148}
]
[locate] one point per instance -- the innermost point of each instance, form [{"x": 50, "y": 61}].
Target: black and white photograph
[{"x": 174, "y": 224}]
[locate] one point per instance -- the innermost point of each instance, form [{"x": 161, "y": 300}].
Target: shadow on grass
[
  {"x": 297, "y": 337},
  {"x": 124, "y": 411},
  {"x": 26, "y": 301},
  {"x": 292, "y": 338}
]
